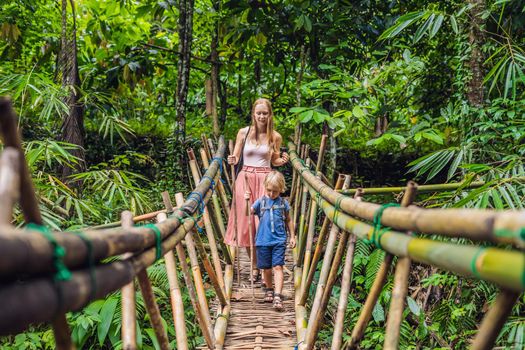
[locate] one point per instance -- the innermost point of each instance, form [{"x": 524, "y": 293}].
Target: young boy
[{"x": 270, "y": 242}]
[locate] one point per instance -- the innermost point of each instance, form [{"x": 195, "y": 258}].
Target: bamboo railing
[
  {"x": 32, "y": 291},
  {"x": 45, "y": 274},
  {"x": 501, "y": 265}
]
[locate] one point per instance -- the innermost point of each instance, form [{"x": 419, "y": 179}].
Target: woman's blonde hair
[
  {"x": 269, "y": 125},
  {"x": 275, "y": 178}
]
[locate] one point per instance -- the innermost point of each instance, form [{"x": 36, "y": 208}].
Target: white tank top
[{"x": 256, "y": 156}]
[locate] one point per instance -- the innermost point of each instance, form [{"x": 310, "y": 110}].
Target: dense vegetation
[{"x": 110, "y": 93}]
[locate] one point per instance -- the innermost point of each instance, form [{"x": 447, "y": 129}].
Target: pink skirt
[{"x": 249, "y": 179}]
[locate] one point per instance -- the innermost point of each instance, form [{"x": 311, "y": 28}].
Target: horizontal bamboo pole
[
  {"x": 39, "y": 299},
  {"x": 28, "y": 252},
  {"x": 502, "y": 267},
  {"x": 421, "y": 188},
  {"x": 475, "y": 224},
  {"x": 136, "y": 219}
]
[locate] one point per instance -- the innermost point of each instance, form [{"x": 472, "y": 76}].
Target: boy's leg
[
  {"x": 267, "y": 276},
  {"x": 279, "y": 278},
  {"x": 277, "y": 266}
]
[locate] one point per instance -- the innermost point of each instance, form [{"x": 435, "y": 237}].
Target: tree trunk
[
  {"x": 183, "y": 67},
  {"x": 475, "y": 86},
  {"x": 72, "y": 130}
]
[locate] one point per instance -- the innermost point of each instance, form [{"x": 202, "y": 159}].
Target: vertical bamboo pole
[
  {"x": 494, "y": 320},
  {"x": 148, "y": 295},
  {"x": 209, "y": 229},
  {"x": 181, "y": 255},
  {"x": 313, "y": 327},
  {"x": 195, "y": 268},
  {"x": 375, "y": 291},
  {"x": 305, "y": 288},
  {"x": 297, "y": 195},
  {"x": 400, "y": 289},
  {"x": 303, "y": 225},
  {"x": 28, "y": 202},
  {"x": 250, "y": 233},
  {"x": 337, "y": 339},
  {"x": 129, "y": 312},
  {"x": 177, "y": 306},
  {"x": 234, "y": 211},
  {"x": 209, "y": 269},
  {"x": 224, "y": 203}
]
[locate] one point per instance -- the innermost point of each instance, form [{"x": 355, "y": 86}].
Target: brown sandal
[
  {"x": 268, "y": 295},
  {"x": 278, "y": 302}
]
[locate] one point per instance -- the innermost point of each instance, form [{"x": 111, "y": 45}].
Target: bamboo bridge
[{"x": 44, "y": 274}]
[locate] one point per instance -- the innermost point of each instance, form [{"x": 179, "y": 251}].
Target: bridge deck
[{"x": 257, "y": 325}]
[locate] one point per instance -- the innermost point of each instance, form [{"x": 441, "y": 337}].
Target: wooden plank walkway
[{"x": 257, "y": 325}]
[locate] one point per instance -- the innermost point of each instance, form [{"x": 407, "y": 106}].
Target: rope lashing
[
  {"x": 337, "y": 208},
  {"x": 320, "y": 193},
  {"x": 378, "y": 230},
  {"x": 158, "y": 240},
  {"x": 196, "y": 220},
  {"x": 212, "y": 182},
  {"x": 200, "y": 200},
  {"x": 473, "y": 266},
  {"x": 62, "y": 272},
  {"x": 296, "y": 347},
  {"x": 90, "y": 259}
]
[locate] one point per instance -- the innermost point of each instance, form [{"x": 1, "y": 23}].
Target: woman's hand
[
  {"x": 232, "y": 160},
  {"x": 247, "y": 195},
  {"x": 285, "y": 157}
]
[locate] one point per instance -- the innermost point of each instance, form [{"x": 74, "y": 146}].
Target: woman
[{"x": 260, "y": 146}]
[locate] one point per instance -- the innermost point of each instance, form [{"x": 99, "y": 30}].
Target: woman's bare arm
[
  {"x": 277, "y": 158},
  {"x": 234, "y": 158}
]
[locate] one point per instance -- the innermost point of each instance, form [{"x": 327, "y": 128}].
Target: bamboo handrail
[
  {"x": 478, "y": 225},
  {"x": 30, "y": 252},
  {"x": 420, "y": 188},
  {"x": 502, "y": 267}
]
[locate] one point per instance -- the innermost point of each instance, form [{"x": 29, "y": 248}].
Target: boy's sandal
[
  {"x": 278, "y": 302},
  {"x": 268, "y": 295}
]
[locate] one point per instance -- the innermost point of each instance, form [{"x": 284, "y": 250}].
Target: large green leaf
[{"x": 106, "y": 313}]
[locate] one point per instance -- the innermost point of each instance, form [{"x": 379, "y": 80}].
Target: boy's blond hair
[{"x": 274, "y": 177}]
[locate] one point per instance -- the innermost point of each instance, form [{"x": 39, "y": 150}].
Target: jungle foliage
[{"x": 431, "y": 90}]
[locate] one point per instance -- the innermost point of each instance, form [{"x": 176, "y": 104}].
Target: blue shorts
[{"x": 270, "y": 256}]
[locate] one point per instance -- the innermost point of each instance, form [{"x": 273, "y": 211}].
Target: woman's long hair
[{"x": 269, "y": 125}]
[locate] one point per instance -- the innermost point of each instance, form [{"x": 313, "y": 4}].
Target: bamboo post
[
  {"x": 148, "y": 295},
  {"x": 313, "y": 327},
  {"x": 198, "y": 246},
  {"x": 9, "y": 183},
  {"x": 234, "y": 210},
  {"x": 303, "y": 225},
  {"x": 325, "y": 268},
  {"x": 310, "y": 236},
  {"x": 252, "y": 247},
  {"x": 209, "y": 229},
  {"x": 300, "y": 190},
  {"x": 181, "y": 255},
  {"x": 224, "y": 203},
  {"x": 400, "y": 289},
  {"x": 343, "y": 297},
  {"x": 28, "y": 202},
  {"x": 377, "y": 287},
  {"x": 128, "y": 301},
  {"x": 196, "y": 270},
  {"x": 494, "y": 320},
  {"x": 311, "y": 268},
  {"x": 177, "y": 306}
]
